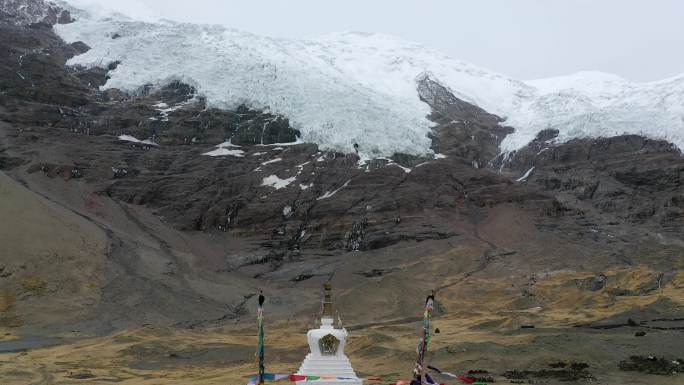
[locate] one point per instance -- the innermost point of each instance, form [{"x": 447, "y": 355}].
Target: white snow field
[
  {"x": 226, "y": 149},
  {"x": 348, "y": 88}
]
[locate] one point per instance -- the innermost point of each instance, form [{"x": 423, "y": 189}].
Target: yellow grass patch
[{"x": 34, "y": 283}]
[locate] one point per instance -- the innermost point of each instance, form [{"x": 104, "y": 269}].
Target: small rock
[
  {"x": 302, "y": 277},
  {"x": 82, "y": 375}
]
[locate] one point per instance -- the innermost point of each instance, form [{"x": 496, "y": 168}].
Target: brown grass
[
  {"x": 376, "y": 350},
  {"x": 7, "y": 300},
  {"x": 34, "y": 284}
]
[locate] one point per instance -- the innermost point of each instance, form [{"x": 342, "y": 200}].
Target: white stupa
[{"x": 327, "y": 358}]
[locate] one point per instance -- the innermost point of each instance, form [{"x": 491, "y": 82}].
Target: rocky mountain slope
[{"x": 156, "y": 205}]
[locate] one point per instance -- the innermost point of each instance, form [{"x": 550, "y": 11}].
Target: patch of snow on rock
[
  {"x": 405, "y": 169},
  {"x": 229, "y": 144},
  {"x": 130, "y": 138},
  {"x": 272, "y": 161},
  {"x": 225, "y": 152},
  {"x": 328, "y": 194},
  {"x": 525, "y": 176},
  {"x": 226, "y": 149},
  {"x": 277, "y": 183}
]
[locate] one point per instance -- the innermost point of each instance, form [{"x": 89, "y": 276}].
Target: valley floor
[{"x": 544, "y": 355}]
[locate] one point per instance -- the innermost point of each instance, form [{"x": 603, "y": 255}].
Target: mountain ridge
[{"x": 359, "y": 75}]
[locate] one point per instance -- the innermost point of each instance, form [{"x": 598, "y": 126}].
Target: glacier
[
  {"x": 596, "y": 104},
  {"x": 352, "y": 88}
]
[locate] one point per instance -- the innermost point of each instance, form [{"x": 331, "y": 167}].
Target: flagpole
[
  {"x": 261, "y": 348},
  {"x": 419, "y": 369}
]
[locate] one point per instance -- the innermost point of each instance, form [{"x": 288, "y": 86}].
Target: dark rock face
[
  {"x": 652, "y": 365},
  {"x": 620, "y": 179},
  {"x": 33, "y": 71},
  {"x": 8, "y": 162},
  {"x": 27, "y": 12},
  {"x": 462, "y": 130}
]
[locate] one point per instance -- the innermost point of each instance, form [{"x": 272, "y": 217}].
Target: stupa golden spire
[{"x": 327, "y": 301}]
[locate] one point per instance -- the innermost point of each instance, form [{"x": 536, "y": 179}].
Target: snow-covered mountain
[
  {"x": 595, "y": 104},
  {"x": 348, "y": 88}
]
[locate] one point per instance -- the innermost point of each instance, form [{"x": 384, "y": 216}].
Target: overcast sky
[{"x": 528, "y": 39}]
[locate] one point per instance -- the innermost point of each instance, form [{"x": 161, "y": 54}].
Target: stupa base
[{"x": 356, "y": 381}]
